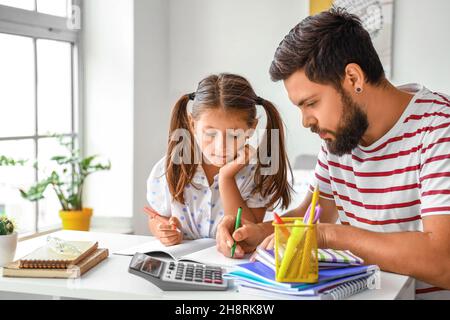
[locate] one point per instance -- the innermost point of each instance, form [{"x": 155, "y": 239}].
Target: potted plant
[
  {"x": 67, "y": 182},
  {"x": 8, "y": 240}
]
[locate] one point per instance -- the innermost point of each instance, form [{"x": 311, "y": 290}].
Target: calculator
[{"x": 178, "y": 276}]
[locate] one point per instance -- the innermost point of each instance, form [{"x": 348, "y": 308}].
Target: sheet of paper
[
  {"x": 177, "y": 251},
  {"x": 211, "y": 256}
]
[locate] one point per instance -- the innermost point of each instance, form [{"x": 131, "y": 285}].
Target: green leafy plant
[
  {"x": 5, "y": 161},
  {"x": 69, "y": 179},
  {"x": 7, "y": 226}
]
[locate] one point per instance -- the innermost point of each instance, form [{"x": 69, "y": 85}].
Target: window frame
[{"x": 36, "y": 25}]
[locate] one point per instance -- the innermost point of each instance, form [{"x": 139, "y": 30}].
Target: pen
[
  {"x": 314, "y": 200},
  {"x": 278, "y": 220},
  {"x": 312, "y": 213},
  {"x": 306, "y": 255},
  {"x": 236, "y": 226}
]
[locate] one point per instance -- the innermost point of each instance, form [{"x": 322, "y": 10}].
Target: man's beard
[{"x": 352, "y": 127}]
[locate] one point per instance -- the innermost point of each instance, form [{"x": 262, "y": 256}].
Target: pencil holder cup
[{"x": 296, "y": 251}]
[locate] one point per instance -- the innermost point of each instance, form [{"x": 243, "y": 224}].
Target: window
[
  {"x": 52, "y": 7},
  {"x": 38, "y": 98}
]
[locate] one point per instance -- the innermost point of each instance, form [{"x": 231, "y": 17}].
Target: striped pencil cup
[{"x": 296, "y": 257}]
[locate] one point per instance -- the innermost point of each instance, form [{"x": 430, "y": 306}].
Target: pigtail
[
  {"x": 179, "y": 175},
  {"x": 276, "y": 184}
]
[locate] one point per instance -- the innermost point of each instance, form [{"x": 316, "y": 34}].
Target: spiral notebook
[
  {"x": 46, "y": 258},
  {"x": 340, "y": 292},
  {"x": 257, "y": 278},
  {"x": 77, "y": 270}
]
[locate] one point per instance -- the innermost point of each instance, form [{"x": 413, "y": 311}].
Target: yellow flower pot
[{"x": 76, "y": 220}]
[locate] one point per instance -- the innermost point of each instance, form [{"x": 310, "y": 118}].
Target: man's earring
[{"x": 359, "y": 90}]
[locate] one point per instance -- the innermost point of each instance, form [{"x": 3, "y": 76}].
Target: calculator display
[{"x": 152, "y": 266}]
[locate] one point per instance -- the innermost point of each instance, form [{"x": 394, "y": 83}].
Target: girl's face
[{"x": 220, "y": 134}]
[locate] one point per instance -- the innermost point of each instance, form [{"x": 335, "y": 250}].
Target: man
[{"x": 384, "y": 164}]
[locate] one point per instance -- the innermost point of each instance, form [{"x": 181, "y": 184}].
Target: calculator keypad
[{"x": 194, "y": 273}]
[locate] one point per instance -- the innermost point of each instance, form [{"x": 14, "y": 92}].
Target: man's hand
[{"x": 248, "y": 237}]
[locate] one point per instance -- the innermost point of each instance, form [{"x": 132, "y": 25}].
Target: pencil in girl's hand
[{"x": 156, "y": 216}]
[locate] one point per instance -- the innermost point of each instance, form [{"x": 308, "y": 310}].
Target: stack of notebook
[
  {"x": 45, "y": 262},
  {"x": 341, "y": 274}
]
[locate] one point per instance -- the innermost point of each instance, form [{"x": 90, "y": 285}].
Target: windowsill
[{"x": 120, "y": 225}]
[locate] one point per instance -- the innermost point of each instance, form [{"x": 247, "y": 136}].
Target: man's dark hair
[{"x": 323, "y": 45}]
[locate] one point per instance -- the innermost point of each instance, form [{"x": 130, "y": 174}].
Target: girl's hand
[
  {"x": 243, "y": 158},
  {"x": 169, "y": 232}
]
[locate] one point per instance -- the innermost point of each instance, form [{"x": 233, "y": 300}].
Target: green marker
[{"x": 236, "y": 226}]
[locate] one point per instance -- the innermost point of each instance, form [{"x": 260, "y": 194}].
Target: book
[
  {"x": 260, "y": 279},
  {"x": 306, "y": 289},
  {"x": 343, "y": 290},
  {"x": 202, "y": 251},
  {"x": 75, "y": 271},
  {"x": 260, "y": 273},
  {"x": 46, "y": 258},
  {"x": 338, "y": 256}
]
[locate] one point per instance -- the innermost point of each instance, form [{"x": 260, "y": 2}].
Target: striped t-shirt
[{"x": 404, "y": 176}]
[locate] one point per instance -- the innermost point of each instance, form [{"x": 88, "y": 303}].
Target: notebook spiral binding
[{"x": 349, "y": 289}]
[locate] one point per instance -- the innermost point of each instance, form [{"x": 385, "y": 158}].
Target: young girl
[{"x": 214, "y": 178}]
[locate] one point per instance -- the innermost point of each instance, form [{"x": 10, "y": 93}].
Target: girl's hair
[{"x": 232, "y": 93}]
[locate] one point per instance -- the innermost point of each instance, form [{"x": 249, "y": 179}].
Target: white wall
[
  {"x": 108, "y": 103},
  {"x": 211, "y": 36},
  {"x": 422, "y": 43},
  {"x": 141, "y": 55},
  {"x": 152, "y": 108}
]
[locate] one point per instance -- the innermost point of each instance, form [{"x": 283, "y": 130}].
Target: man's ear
[{"x": 354, "y": 79}]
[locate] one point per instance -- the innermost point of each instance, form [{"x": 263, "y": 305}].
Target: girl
[{"x": 208, "y": 175}]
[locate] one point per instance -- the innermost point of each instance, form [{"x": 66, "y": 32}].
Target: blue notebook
[
  {"x": 311, "y": 290},
  {"x": 259, "y": 272}
]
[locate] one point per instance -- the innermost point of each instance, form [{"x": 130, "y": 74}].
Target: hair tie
[
  {"x": 191, "y": 96},
  {"x": 259, "y": 101}
]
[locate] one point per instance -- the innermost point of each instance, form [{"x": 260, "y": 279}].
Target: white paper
[
  {"x": 176, "y": 252},
  {"x": 211, "y": 256}
]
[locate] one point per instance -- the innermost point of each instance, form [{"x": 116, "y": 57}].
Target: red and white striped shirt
[{"x": 404, "y": 176}]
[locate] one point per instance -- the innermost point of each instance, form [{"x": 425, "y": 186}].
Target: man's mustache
[{"x": 317, "y": 130}]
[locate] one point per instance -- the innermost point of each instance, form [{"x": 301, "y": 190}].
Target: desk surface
[{"x": 111, "y": 280}]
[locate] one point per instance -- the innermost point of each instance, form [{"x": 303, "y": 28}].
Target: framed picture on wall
[{"x": 377, "y": 17}]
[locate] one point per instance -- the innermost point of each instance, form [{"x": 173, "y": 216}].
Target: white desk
[{"x": 111, "y": 280}]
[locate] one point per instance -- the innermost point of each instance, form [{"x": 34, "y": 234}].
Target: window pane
[
  {"x": 53, "y": 7},
  {"x": 22, "y": 4},
  {"x": 17, "y": 86},
  {"x": 50, "y": 206},
  {"x": 14, "y": 178},
  {"x": 54, "y": 87}
]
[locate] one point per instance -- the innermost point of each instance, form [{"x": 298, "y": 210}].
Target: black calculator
[{"x": 178, "y": 276}]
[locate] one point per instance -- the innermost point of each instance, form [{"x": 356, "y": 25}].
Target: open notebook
[{"x": 201, "y": 251}]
